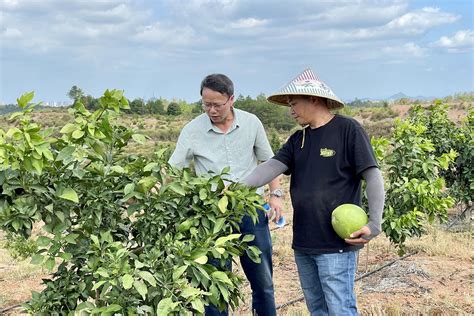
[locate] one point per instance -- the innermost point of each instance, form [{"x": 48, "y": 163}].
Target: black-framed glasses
[{"x": 208, "y": 106}]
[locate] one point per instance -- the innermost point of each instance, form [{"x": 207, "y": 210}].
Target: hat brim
[{"x": 282, "y": 99}]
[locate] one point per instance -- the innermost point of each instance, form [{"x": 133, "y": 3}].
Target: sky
[{"x": 164, "y": 48}]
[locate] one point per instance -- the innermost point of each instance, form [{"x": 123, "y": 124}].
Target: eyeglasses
[{"x": 208, "y": 106}]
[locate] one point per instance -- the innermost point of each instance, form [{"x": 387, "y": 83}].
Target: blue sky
[{"x": 164, "y": 48}]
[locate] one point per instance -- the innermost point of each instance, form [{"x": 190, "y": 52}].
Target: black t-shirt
[{"x": 325, "y": 173}]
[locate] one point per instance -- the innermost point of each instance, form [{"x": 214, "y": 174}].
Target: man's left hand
[
  {"x": 359, "y": 237},
  {"x": 276, "y": 208}
]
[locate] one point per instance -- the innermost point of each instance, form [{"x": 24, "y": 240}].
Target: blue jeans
[
  {"x": 327, "y": 281},
  {"x": 259, "y": 275}
]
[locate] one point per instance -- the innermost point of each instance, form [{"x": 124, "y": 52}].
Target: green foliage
[
  {"x": 173, "y": 109},
  {"x": 461, "y": 96},
  {"x": 275, "y": 142},
  {"x": 138, "y": 106},
  {"x": 75, "y": 93},
  {"x": 19, "y": 247},
  {"x": 447, "y": 137},
  {"x": 463, "y": 183},
  {"x": 366, "y": 103},
  {"x": 128, "y": 234},
  {"x": 155, "y": 106},
  {"x": 271, "y": 115},
  {"x": 415, "y": 189}
]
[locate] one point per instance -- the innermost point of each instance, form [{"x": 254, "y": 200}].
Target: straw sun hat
[{"x": 307, "y": 83}]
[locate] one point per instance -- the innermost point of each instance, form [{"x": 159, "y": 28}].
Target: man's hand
[
  {"x": 276, "y": 208},
  {"x": 359, "y": 237}
]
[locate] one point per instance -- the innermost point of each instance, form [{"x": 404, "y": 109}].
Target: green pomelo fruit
[{"x": 348, "y": 218}]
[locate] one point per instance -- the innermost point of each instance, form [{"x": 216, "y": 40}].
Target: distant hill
[
  {"x": 401, "y": 95},
  {"x": 397, "y": 96}
]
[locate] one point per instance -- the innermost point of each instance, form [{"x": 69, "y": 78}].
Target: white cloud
[
  {"x": 405, "y": 51},
  {"x": 360, "y": 14},
  {"x": 460, "y": 41},
  {"x": 69, "y": 25},
  {"x": 248, "y": 23},
  {"x": 166, "y": 34},
  {"x": 418, "y": 22}
]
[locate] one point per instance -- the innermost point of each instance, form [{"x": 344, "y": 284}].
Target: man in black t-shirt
[{"x": 327, "y": 161}]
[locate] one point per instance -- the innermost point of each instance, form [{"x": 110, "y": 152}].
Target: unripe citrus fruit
[{"x": 348, "y": 218}]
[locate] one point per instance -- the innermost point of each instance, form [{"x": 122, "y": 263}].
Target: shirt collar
[{"x": 212, "y": 127}]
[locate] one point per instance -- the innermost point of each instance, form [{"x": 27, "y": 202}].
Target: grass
[{"x": 438, "y": 242}]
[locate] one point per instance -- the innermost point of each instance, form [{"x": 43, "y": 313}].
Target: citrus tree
[
  {"x": 446, "y": 136},
  {"x": 120, "y": 233},
  {"x": 415, "y": 160}
]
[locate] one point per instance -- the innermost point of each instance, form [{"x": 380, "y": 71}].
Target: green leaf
[
  {"x": 219, "y": 224},
  {"x": 43, "y": 241},
  {"x": 150, "y": 166},
  {"x": 224, "y": 292},
  {"x": 95, "y": 240},
  {"x": 127, "y": 281},
  {"x": 49, "y": 264},
  {"x": 147, "y": 276},
  {"x": 84, "y": 305},
  {"x": 77, "y": 134},
  {"x": 71, "y": 238},
  {"x": 222, "y": 240},
  {"x": 190, "y": 292},
  {"x": 25, "y": 99},
  {"x": 66, "y": 256},
  {"x": 65, "y": 153},
  {"x": 221, "y": 277},
  {"x": 128, "y": 188},
  {"x": 37, "y": 259},
  {"x": 248, "y": 238},
  {"x": 16, "y": 224},
  {"x": 222, "y": 204},
  {"x": 166, "y": 306},
  {"x": 139, "y": 264},
  {"x": 201, "y": 260},
  {"x": 118, "y": 169},
  {"x": 98, "y": 284},
  {"x": 70, "y": 194},
  {"x": 202, "y": 194},
  {"x": 141, "y": 288},
  {"x": 198, "y": 305},
  {"x": 176, "y": 187},
  {"x": 113, "y": 308},
  {"x": 184, "y": 226},
  {"x": 68, "y": 128},
  {"x": 15, "y": 115},
  {"x": 178, "y": 272}
]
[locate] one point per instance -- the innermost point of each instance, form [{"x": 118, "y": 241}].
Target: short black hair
[{"x": 218, "y": 82}]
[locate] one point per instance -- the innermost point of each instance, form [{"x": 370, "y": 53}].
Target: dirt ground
[{"x": 419, "y": 284}]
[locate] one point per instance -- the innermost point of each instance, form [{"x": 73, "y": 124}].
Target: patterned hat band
[{"x": 307, "y": 83}]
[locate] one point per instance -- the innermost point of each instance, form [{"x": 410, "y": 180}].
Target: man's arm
[
  {"x": 268, "y": 172},
  {"x": 376, "y": 199}
]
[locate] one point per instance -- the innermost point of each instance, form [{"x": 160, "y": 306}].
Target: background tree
[
  {"x": 138, "y": 106},
  {"x": 155, "y": 106},
  {"x": 75, "y": 93},
  {"x": 173, "y": 109}
]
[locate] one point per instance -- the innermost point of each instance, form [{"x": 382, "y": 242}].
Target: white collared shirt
[{"x": 240, "y": 148}]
